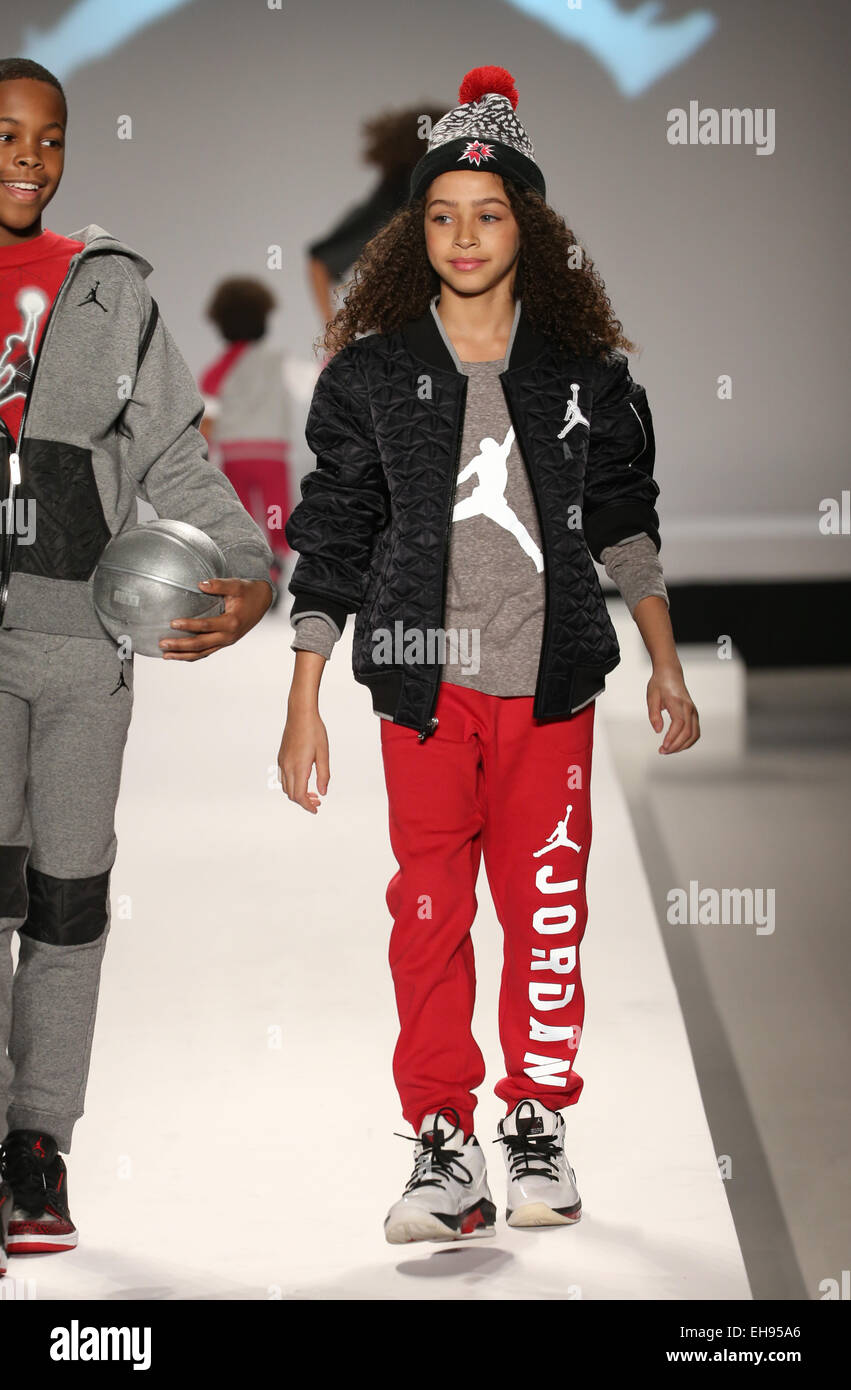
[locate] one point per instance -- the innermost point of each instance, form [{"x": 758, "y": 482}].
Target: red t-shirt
[{"x": 30, "y": 276}]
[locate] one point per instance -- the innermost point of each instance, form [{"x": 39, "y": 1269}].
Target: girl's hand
[
  {"x": 246, "y": 600},
  {"x": 305, "y": 742},
  {"x": 666, "y": 689}
]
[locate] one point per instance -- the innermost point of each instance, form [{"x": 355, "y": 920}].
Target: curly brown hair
[
  {"x": 395, "y": 140},
  {"x": 239, "y": 308},
  {"x": 563, "y": 295}
]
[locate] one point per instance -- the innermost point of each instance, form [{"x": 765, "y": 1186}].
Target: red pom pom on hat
[{"x": 478, "y": 81}]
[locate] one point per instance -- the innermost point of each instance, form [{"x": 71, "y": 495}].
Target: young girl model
[{"x": 476, "y": 446}]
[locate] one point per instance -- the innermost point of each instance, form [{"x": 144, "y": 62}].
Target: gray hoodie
[{"x": 113, "y": 413}]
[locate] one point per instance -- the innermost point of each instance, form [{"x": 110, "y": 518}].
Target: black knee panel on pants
[
  {"x": 66, "y": 911},
  {"x": 13, "y": 883}
]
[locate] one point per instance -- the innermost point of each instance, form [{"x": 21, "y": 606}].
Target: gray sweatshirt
[
  {"x": 86, "y": 383},
  {"x": 494, "y": 611}
]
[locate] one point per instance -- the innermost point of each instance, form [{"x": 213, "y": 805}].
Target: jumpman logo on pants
[
  {"x": 488, "y": 496},
  {"x": 558, "y": 838}
]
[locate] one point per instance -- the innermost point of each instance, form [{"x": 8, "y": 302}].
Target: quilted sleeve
[
  {"x": 620, "y": 490},
  {"x": 344, "y": 500}
]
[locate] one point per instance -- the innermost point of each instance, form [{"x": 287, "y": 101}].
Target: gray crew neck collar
[{"x": 463, "y": 366}]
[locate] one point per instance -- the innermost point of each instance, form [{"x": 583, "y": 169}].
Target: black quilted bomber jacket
[{"x": 372, "y": 528}]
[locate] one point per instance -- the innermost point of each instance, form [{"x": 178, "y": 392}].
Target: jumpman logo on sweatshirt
[
  {"x": 18, "y": 352},
  {"x": 558, "y": 838},
  {"x": 488, "y": 496}
]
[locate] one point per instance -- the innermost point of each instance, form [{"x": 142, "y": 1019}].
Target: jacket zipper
[
  {"x": 543, "y": 549},
  {"x": 10, "y": 547},
  {"x": 14, "y": 480},
  {"x": 643, "y": 434},
  {"x": 431, "y": 723}
]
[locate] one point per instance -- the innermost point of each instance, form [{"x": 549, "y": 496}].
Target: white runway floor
[{"x": 238, "y": 1136}]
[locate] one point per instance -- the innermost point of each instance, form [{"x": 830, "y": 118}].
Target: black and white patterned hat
[{"x": 482, "y": 133}]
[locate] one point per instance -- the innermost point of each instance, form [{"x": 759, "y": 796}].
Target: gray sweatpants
[{"x": 65, "y": 706}]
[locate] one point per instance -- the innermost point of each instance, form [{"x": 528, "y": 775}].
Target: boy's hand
[
  {"x": 666, "y": 689},
  {"x": 246, "y": 600}
]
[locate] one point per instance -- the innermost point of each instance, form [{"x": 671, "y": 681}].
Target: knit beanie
[{"x": 482, "y": 133}]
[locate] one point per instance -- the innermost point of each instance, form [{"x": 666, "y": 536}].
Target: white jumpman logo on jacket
[
  {"x": 558, "y": 838},
  {"x": 572, "y": 415},
  {"x": 488, "y": 496}
]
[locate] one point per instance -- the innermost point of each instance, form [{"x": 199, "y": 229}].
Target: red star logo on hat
[{"x": 476, "y": 152}]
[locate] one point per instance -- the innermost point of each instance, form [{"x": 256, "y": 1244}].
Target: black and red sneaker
[
  {"x": 31, "y": 1164},
  {"x": 6, "y": 1198}
]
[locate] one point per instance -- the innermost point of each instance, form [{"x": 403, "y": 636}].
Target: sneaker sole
[
  {"x": 539, "y": 1214},
  {"x": 479, "y": 1221},
  {"x": 38, "y": 1242}
]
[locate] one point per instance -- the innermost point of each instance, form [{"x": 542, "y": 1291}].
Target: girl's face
[{"x": 472, "y": 237}]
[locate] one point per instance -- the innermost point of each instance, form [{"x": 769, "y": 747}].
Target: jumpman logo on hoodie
[
  {"x": 488, "y": 496},
  {"x": 92, "y": 298}
]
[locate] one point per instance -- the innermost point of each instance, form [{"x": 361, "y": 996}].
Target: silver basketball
[{"x": 149, "y": 575}]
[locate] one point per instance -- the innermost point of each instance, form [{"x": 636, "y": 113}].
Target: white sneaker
[
  {"x": 541, "y": 1183},
  {"x": 447, "y": 1196}
]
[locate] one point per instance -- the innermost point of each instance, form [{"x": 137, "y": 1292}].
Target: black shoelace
[
  {"x": 438, "y": 1161},
  {"x": 528, "y": 1152}
]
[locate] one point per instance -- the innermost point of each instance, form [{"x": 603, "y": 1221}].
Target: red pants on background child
[
  {"x": 262, "y": 484},
  {"x": 490, "y": 781}
]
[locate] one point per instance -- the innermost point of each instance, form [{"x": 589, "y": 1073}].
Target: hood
[{"x": 98, "y": 241}]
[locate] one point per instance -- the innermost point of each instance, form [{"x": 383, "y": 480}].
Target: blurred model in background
[
  {"x": 251, "y": 395},
  {"x": 394, "y": 142}
]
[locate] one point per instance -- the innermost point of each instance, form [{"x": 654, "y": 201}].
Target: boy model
[{"x": 96, "y": 406}]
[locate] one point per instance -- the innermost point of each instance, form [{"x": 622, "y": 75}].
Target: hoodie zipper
[
  {"x": 431, "y": 723},
  {"x": 8, "y": 534},
  {"x": 10, "y": 543}
]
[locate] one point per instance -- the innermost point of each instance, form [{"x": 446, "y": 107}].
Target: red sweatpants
[
  {"x": 263, "y": 487},
  {"x": 494, "y": 781}
]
